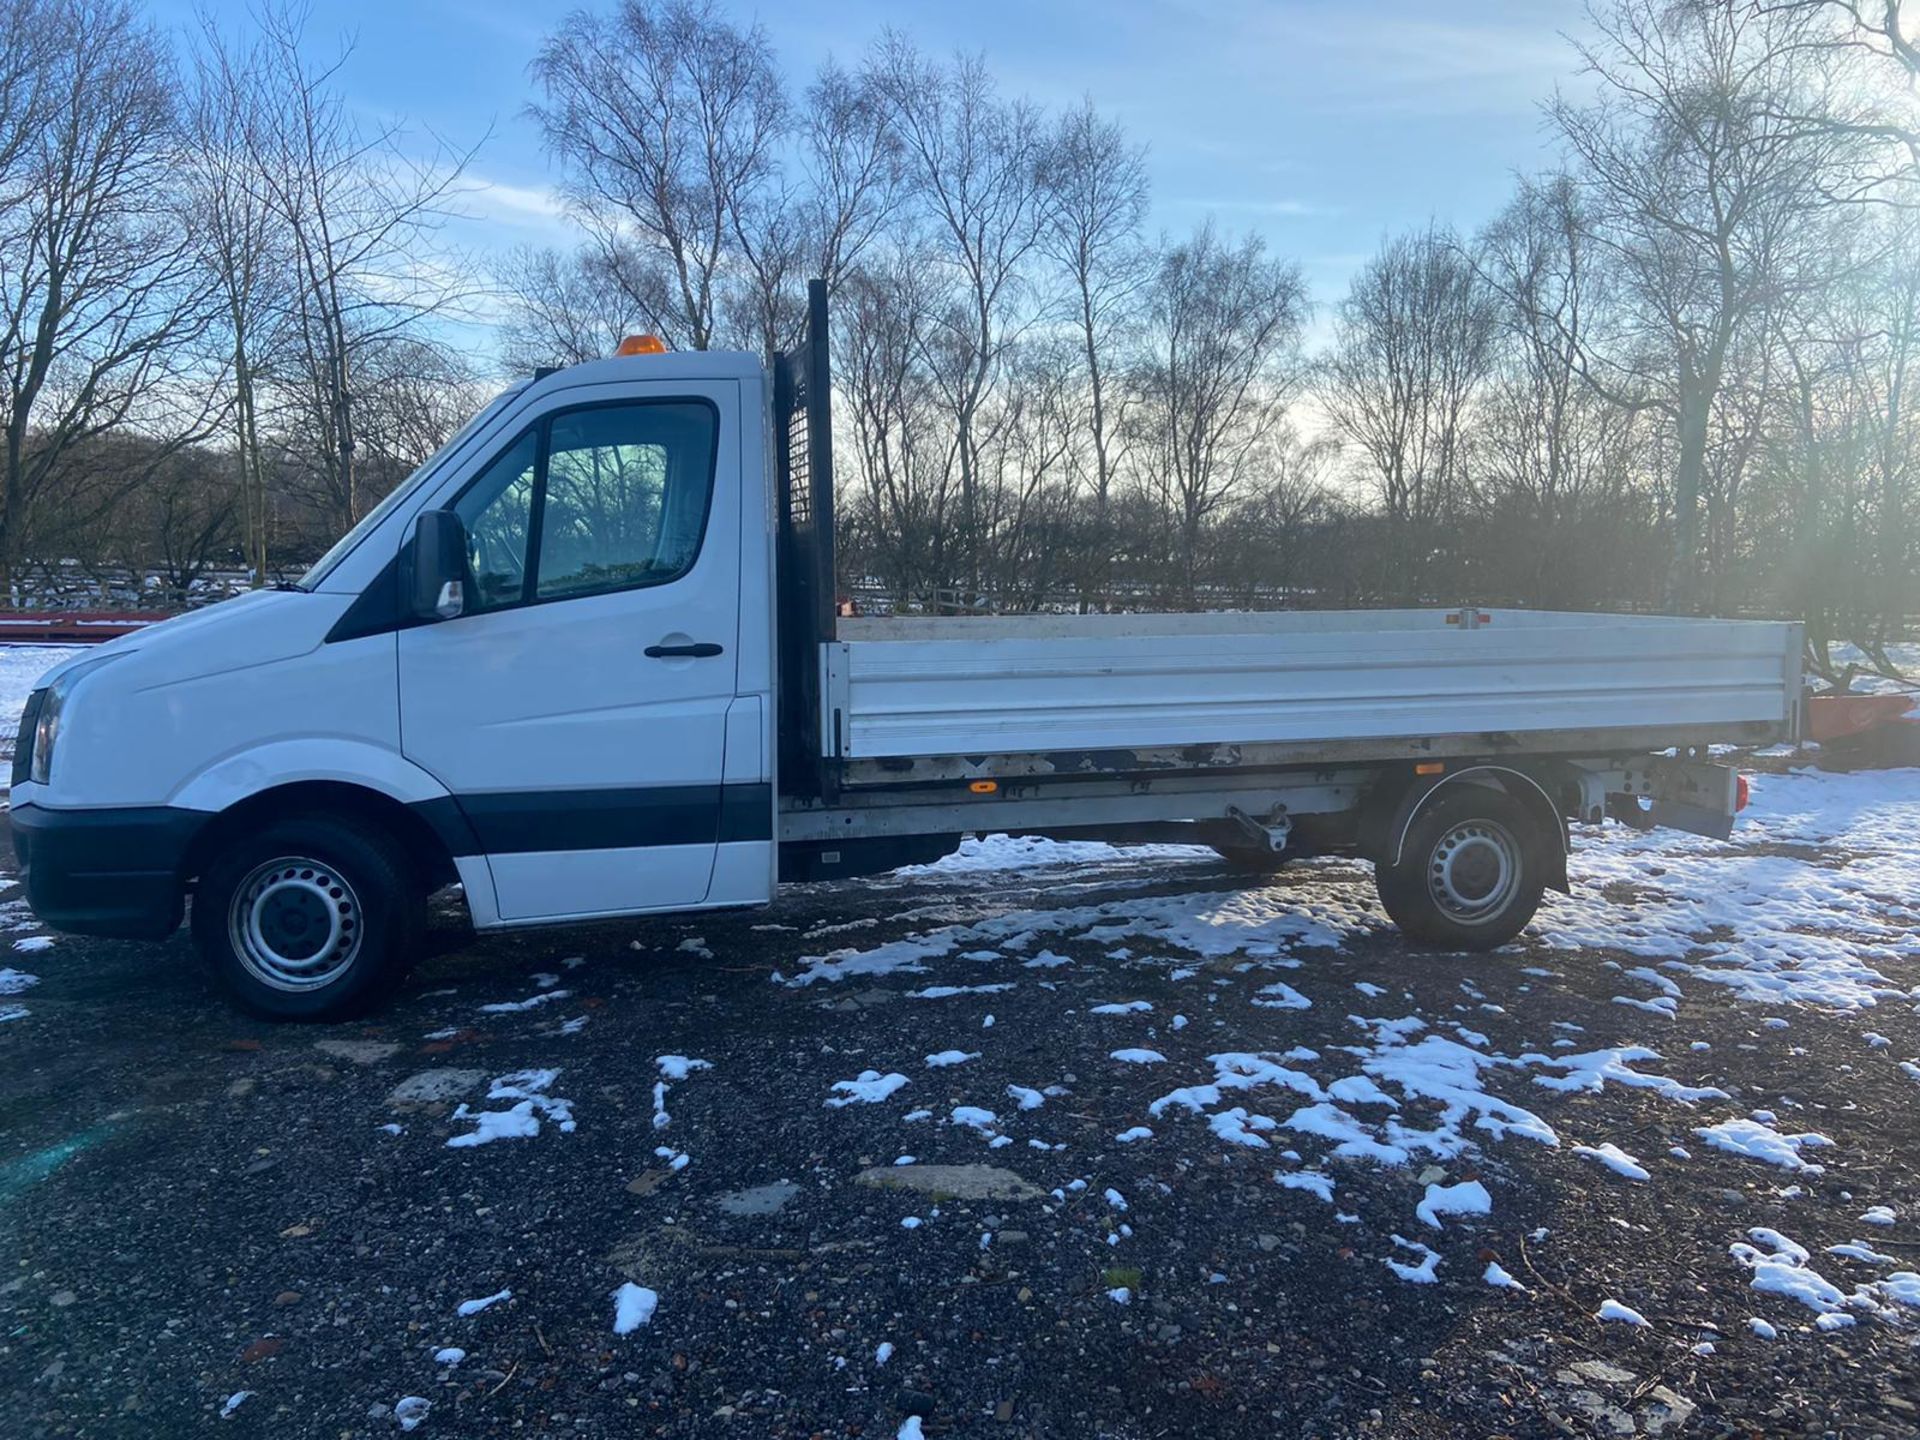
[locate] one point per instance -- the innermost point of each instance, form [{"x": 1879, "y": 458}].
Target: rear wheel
[
  {"x": 309, "y": 918},
  {"x": 1470, "y": 873}
]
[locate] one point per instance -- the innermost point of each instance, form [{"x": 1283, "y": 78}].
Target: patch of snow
[
  {"x": 1026, "y": 1097},
  {"x": 870, "y": 1089},
  {"x": 883, "y": 1352},
  {"x": 1420, "y": 1273},
  {"x": 520, "y": 1121},
  {"x": 1122, "y": 1007},
  {"x": 234, "y": 1402},
  {"x": 633, "y": 1307},
  {"x": 1878, "y": 1215},
  {"x": 1137, "y": 1056},
  {"x": 1758, "y": 1141},
  {"x": 1281, "y": 996},
  {"x": 474, "y": 1307},
  {"x": 1615, "y": 1159},
  {"x": 450, "y": 1356},
  {"x": 509, "y": 1007},
  {"x": 944, "y": 1058},
  {"x": 1312, "y": 1181},
  {"x": 15, "y": 982},
  {"x": 410, "y": 1410},
  {"x": 1137, "y": 1132},
  {"x": 33, "y": 943},
  {"x": 1468, "y": 1197},
  {"x": 1497, "y": 1276},
  {"x": 1256, "y": 923},
  {"x": 1625, "y": 1314},
  {"x": 679, "y": 1067}
]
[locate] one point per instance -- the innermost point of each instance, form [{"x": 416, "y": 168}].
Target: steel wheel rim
[
  {"x": 1473, "y": 872},
  {"x": 295, "y": 924}
]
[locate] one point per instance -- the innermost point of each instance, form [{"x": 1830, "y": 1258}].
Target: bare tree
[
  {"x": 975, "y": 163},
  {"x": 1700, "y": 184},
  {"x": 1413, "y": 342},
  {"x": 822, "y": 220},
  {"x": 900, "y": 512},
  {"x": 560, "y": 309},
  {"x": 1097, "y": 189},
  {"x": 98, "y": 301},
  {"x": 240, "y": 248},
  {"x": 664, "y": 119},
  {"x": 1221, "y": 360},
  {"x": 361, "y": 216}
]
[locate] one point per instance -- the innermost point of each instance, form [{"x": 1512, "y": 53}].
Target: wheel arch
[
  {"x": 430, "y": 833},
  {"x": 1518, "y": 784}
]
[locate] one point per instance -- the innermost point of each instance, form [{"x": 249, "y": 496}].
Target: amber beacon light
[{"x": 641, "y": 345}]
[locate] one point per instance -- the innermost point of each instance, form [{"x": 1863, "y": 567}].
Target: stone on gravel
[
  {"x": 759, "y": 1199},
  {"x": 432, "y": 1086},
  {"x": 962, "y": 1182},
  {"x": 360, "y": 1052}
]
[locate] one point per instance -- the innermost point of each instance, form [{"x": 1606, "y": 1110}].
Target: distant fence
[{"x": 72, "y": 627}]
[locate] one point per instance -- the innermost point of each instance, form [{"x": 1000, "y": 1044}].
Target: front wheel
[
  {"x": 1470, "y": 873},
  {"x": 309, "y": 918}
]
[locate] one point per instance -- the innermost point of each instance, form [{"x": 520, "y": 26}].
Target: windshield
[{"x": 371, "y": 520}]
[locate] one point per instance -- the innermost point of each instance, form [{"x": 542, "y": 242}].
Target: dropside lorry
[{"x": 587, "y": 662}]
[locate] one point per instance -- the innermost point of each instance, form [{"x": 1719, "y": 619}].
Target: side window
[
  {"x": 497, "y": 510},
  {"x": 626, "y": 495}
]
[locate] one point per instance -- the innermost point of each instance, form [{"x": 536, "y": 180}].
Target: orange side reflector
[
  {"x": 984, "y": 787},
  {"x": 1429, "y": 767},
  {"x": 1742, "y": 792},
  {"x": 641, "y": 345}
]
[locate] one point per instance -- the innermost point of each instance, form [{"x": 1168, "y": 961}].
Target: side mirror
[{"x": 437, "y": 566}]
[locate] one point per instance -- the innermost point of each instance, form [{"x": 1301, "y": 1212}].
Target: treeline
[
  {"x": 1671, "y": 373},
  {"x": 221, "y": 296}
]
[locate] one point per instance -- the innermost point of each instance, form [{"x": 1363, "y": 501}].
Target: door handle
[{"x": 703, "y": 650}]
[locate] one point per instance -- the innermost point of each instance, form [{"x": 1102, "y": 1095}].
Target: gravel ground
[{"x": 202, "y": 1213}]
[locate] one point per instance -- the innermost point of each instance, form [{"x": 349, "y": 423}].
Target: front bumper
[{"x": 113, "y": 872}]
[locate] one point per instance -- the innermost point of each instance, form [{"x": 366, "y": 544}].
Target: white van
[{"x": 586, "y": 662}]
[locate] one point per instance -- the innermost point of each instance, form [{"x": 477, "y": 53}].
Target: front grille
[{"x": 23, "y": 743}]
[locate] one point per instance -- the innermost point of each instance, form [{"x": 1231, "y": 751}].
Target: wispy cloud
[{"x": 526, "y": 204}]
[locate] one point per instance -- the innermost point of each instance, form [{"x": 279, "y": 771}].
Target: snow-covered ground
[
  {"x": 21, "y": 667},
  {"x": 1811, "y": 907},
  {"x": 1905, "y": 656}
]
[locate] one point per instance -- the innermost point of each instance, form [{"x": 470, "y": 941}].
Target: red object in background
[
  {"x": 72, "y": 627},
  {"x": 1835, "y": 717}
]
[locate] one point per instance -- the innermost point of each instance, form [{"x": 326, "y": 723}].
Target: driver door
[{"x": 577, "y": 708}]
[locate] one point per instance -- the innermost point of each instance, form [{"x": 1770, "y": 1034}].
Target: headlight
[{"x": 46, "y": 729}]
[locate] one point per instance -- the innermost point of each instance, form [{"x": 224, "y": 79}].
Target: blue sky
[{"x": 1323, "y": 124}]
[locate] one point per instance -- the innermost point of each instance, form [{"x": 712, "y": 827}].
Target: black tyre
[
  {"x": 1252, "y": 859},
  {"x": 1470, "y": 872},
  {"x": 309, "y": 918}
]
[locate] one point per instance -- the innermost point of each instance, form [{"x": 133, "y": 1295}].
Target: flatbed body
[{"x": 1300, "y": 686}]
